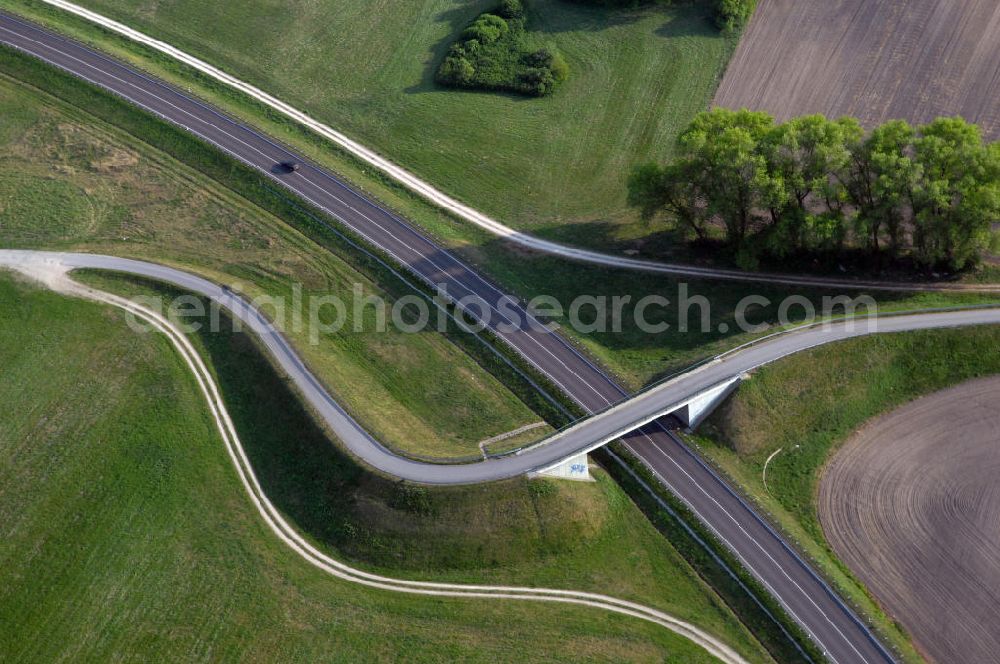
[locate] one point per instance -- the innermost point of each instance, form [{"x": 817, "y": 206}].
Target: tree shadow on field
[
  {"x": 555, "y": 16},
  {"x": 689, "y": 20},
  {"x": 655, "y": 241}
]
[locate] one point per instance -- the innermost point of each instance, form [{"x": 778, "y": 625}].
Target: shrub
[
  {"x": 536, "y": 81},
  {"x": 491, "y": 55},
  {"x": 456, "y": 70},
  {"x": 540, "y": 59},
  {"x": 487, "y": 29},
  {"x": 412, "y": 499},
  {"x": 559, "y": 67}
]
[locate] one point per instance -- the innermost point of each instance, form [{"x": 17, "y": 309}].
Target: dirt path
[
  {"x": 912, "y": 504},
  {"x": 874, "y": 59}
]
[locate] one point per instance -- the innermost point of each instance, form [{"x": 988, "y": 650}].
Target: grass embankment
[
  {"x": 125, "y": 524},
  {"x": 810, "y": 403},
  {"x": 367, "y": 69},
  {"x": 68, "y": 182}
]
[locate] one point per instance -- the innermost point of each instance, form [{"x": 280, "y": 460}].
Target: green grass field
[
  {"x": 808, "y": 413},
  {"x": 70, "y": 183},
  {"x": 128, "y": 536},
  {"x": 366, "y": 68}
]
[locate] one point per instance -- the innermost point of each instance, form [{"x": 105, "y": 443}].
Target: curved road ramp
[
  {"x": 911, "y": 504},
  {"x": 689, "y": 395}
]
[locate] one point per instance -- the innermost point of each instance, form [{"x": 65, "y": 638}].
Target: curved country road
[
  {"x": 53, "y": 266},
  {"x": 583, "y": 436},
  {"x": 55, "y": 277},
  {"x": 803, "y": 594}
]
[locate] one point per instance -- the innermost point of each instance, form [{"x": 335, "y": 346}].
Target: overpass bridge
[
  {"x": 636, "y": 420},
  {"x": 633, "y": 414}
]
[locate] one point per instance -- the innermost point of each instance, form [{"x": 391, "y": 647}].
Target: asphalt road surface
[{"x": 833, "y": 626}]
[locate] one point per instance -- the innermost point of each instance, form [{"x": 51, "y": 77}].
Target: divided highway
[{"x": 807, "y": 598}]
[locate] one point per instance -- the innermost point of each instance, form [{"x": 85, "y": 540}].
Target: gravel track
[{"x": 912, "y": 505}]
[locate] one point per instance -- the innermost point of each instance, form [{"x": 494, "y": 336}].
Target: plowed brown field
[
  {"x": 912, "y": 505},
  {"x": 873, "y": 59}
]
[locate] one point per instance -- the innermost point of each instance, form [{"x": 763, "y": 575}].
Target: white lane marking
[{"x": 750, "y": 537}]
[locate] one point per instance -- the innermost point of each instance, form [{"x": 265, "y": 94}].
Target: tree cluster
[
  {"x": 925, "y": 196},
  {"x": 491, "y": 55}
]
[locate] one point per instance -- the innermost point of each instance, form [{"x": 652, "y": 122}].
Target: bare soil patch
[
  {"x": 912, "y": 505},
  {"x": 873, "y": 59}
]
